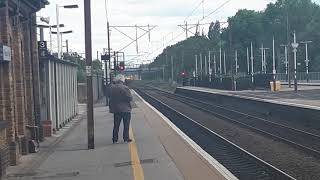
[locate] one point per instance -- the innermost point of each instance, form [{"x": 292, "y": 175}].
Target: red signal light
[
  {"x": 183, "y": 74},
  {"x": 122, "y": 66}
]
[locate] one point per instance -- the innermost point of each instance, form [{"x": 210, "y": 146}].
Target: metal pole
[
  {"x": 58, "y": 31},
  {"x": 307, "y": 58},
  {"x": 274, "y": 71},
  {"x": 248, "y": 61},
  {"x": 106, "y": 66},
  {"x": 236, "y": 62},
  {"x": 224, "y": 63},
  {"x": 307, "y": 62},
  {"x": 288, "y": 44},
  {"x": 214, "y": 64},
  {"x": 183, "y": 68},
  {"x": 196, "y": 65},
  {"x": 186, "y": 30},
  {"x": 262, "y": 58},
  {"x": 61, "y": 45},
  {"x": 137, "y": 48},
  {"x": 50, "y": 39},
  {"x": 115, "y": 63},
  {"x": 67, "y": 46},
  {"x": 172, "y": 68},
  {"x": 201, "y": 69},
  {"x": 252, "y": 70},
  {"x": 220, "y": 68},
  {"x": 295, "y": 46},
  {"x": 163, "y": 73},
  {"x": 41, "y": 34},
  {"x": 205, "y": 66},
  {"x": 109, "y": 46},
  {"x": 286, "y": 58},
  {"x": 209, "y": 63},
  {"x": 88, "y": 46}
]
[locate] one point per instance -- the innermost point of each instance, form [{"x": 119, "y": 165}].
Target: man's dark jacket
[{"x": 120, "y": 98}]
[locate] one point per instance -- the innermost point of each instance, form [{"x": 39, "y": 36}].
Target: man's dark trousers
[{"x": 118, "y": 117}]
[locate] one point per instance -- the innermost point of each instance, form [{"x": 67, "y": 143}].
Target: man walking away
[{"x": 120, "y": 106}]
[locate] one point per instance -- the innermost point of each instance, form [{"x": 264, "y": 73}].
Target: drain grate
[
  {"x": 123, "y": 164},
  {"x": 59, "y": 175},
  {"x": 22, "y": 174},
  {"x": 148, "y": 161},
  {"x": 129, "y": 163}
]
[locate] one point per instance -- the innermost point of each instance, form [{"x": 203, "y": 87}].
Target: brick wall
[
  {"x": 19, "y": 83},
  {"x": 35, "y": 71},
  {"x": 6, "y": 103},
  {"x": 28, "y": 85}
]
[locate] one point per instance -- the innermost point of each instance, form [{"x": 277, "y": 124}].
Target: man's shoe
[
  {"x": 128, "y": 140},
  {"x": 114, "y": 142}
]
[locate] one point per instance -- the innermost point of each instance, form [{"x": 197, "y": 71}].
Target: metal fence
[
  {"x": 236, "y": 82},
  {"x": 59, "y": 92},
  {"x": 301, "y": 77},
  {"x": 97, "y": 86}
]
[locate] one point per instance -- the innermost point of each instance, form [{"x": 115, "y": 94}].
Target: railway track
[
  {"x": 304, "y": 141},
  {"x": 241, "y": 163}
]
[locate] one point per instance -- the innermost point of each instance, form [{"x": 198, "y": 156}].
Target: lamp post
[
  {"x": 50, "y": 31},
  {"x": 285, "y": 57},
  {"x": 209, "y": 65},
  {"x": 236, "y": 59},
  {"x": 220, "y": 63},
  {"x": 252, "y": 70},
  {"x": 58, "y": 22},
  {"x": 196, "y": 69},
  {"x": 295, "y": 46},
  {"x": 45, "y": 20},
  {"x": 61, "y": 40},
  {"x": 224, "y": 63},
  {"x": 273, "y": 66},
  {"x": 214, "y": 64},
  {"x": 172, "y": 69},
  {"x": 263, "y": 59},
  {"x": 307, "y": 58},
  {"x": 201, "y": 70},
  {"x": 248, "y": 61}
]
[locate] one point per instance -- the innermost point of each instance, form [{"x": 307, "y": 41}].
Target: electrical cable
[{"x": 214, "y": 11}]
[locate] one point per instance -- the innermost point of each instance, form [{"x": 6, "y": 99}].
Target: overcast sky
[{"x": 165, "y": 14}]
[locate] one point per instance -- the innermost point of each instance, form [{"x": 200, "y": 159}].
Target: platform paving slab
[{"x": 70, "y": 159}]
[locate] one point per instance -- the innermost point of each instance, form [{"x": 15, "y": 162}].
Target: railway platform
[
  {"x": 159, "y": 151},
  {"x": 306, "y": 97}
]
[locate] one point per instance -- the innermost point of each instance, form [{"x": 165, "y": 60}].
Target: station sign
[
  {"x": 5, "y": 53},
  {"x": 43, "y": 49},
  {"x": 105, "y": 57}
]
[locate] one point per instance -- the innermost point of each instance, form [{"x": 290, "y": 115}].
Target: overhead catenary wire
[
  {"x": 216, "y": 10},
  {"x": 199, "y": 4},
  {"x": 166, "y": 44}
]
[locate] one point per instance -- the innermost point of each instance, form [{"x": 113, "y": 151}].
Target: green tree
[
  {"x": 246, "y": 26},
  {"x": 214, "y": 32}
]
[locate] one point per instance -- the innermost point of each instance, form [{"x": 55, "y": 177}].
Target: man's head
[{"x": 119, "y": 79}]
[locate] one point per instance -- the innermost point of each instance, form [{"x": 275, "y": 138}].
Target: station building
[{"x": 20, "y": 98}]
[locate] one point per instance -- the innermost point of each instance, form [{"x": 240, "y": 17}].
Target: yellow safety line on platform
[{"x": 136, "y": 165}]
